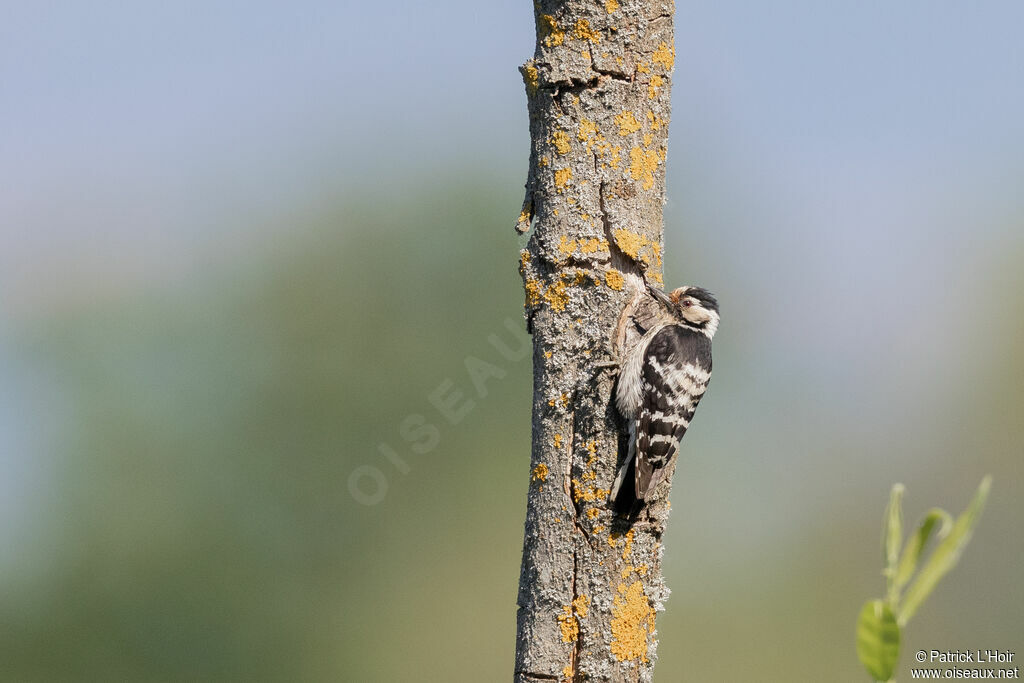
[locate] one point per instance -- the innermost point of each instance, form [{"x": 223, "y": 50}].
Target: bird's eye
[{"x": 686, "y": 303}]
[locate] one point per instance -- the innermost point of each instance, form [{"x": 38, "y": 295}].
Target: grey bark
[{"x": 598, "y": 92}]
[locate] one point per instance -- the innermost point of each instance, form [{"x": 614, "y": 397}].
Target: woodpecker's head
[{"x": 692, "y": 306}]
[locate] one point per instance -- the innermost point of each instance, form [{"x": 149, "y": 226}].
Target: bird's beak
[{"x": 660, "y": 296}]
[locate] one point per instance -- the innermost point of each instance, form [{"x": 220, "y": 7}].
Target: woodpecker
[{"x": 662, "y": 380}]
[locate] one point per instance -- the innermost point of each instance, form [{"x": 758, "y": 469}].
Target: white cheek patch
[{"x": 697, "y": 314}]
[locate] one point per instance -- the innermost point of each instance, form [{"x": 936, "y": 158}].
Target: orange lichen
[
  {"x": 665, "y": 56},
  {"x": 558, "y": 440},
  {"x": 581, "y": 604},
  {"x": 566, "y": 246},
  {"x": 584, "y": 32},
  {"x": 561, "y": 142},
  {"x": 562, "y": 178},
  {"x": 652, "y": 87},
  {"x": 630, "y": 242},
  {"x": 648, "y": 138},
  {"x": 533, "y": 292},
  {"x": 616, "y": 152},
  {"x": 629, "y": 544},
  {"x": 642, "y": 165},
  {"x": 615, "y": 280},
  {"x": 641, "y": 570},
  {"x": 567, "y": 672},
  {"x": 540, "y": 472},
  {"x": 593, "y": 513},
  {"x": 632, "y": 621},
  {"x": 627, "y": 123},
  {"x": 610, "y": 6},
  {"x": 531, "y": 77},
  {"x": 589, "y": 494},
  {"x": 552, "y": 35},
  {"x": 543, "y": 161},
  {"x": 593, "y": 244},
  {"x": 569, "y": 626},
  {"x": 563, "y": 399},
  {"x": 587, "y": 130},
  {"x": 641, "y": 67},
  {"x": 556, "y": 296},
  {"x": 656, "y": 248},
  {"x": 568, "y": 621}
]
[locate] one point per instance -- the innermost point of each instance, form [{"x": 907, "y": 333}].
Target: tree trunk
[{"x": 598, "y": 91}]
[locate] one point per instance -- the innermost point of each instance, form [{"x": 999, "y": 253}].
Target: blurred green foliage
[{"x": 199, "y": 524}]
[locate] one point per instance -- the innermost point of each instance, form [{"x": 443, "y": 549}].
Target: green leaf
[
  {"x": 917, "y": 543},
  {"x": 945, "y": 555},
  {"x": 878, "y": 640},
  {"x": 892, "y": 536}
]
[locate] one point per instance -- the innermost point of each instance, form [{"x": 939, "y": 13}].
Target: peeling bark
[{"x": 598, "y": 91}]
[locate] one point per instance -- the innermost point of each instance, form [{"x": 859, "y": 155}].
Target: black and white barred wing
[{"x": 676, "y": 372}]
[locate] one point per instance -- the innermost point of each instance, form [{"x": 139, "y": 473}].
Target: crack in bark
[
  {"x": 538, "y": 676},
  {"x": 577, "y": 648},
  {"x": 570, "y": 483},
  {"x": 621, "y": 76}
]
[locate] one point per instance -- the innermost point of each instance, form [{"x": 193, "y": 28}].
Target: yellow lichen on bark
[
  {"x": 642, "y": 165},
  {"x": 557, "y": 440},
  {"x": 562, "y": 178},
  {"x": 540, "y": 472},
  {"x": 569, "y": 626},
  {"x": 587, "y": 130},
  {"x": 629, "y": 544},
  {"x": 616, "y": 156},
  {"x": 556, "y": 296},
  {"x": 584, "y": 32},
  {"x": 610, "y": 6},
  {"x": 531, "y": 77},
  {"x": 615, "y": 280},
  {"x": 632, "y": 621},
  {"x": 665, "y": 56},
  {"x": 587, "y": 494},
  {"x": 533, "y": 292},
  {"x": 553, "y": 36},
  {"x": 568, "y": 621},
  {"x": 627, "y": 123},
  {"x": 561, "y": 141},
  {"x": 630, "y": 242},
  {"x": 652, "y": 87}
]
